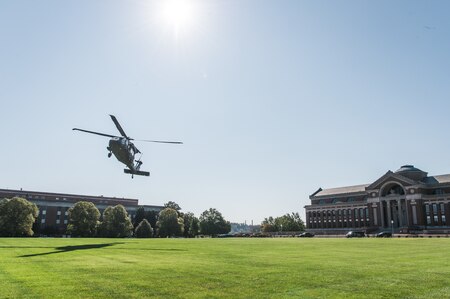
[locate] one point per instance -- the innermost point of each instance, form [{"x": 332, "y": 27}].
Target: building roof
[
  {"x": 438, "y": 179},
  {"x": 407, "y": 173},
  {"x": 64, "y": 196},
  {"x": 407, "y": 168},
  {"x": 342, "y": 190}
]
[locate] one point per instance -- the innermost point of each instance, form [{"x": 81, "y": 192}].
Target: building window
[
  {"x": 58, "y": 213},
  {"x": 65, "y": 221},
  {"x": 435, "y": 218},
  {"x": 444, "y": 221},
  {"x": 428, "y": 220},
  {"x": 435, "y": 209},
  {"x": 44, "y": 212},
  {"x": 42, "y": 221},
  {"x": 442, "y": 208},
  {"x": 66, "y": 213},
  {"x": 58, "y": 221},
  {"x": 427, "y": 209}
]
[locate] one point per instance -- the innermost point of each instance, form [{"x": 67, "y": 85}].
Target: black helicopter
[{"x": 124, "y": 150}]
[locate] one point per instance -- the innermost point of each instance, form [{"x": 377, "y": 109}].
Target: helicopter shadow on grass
[{"x": 62, "y": 249}]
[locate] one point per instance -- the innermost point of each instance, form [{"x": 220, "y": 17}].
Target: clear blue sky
[{"x": 273, "y": 99}]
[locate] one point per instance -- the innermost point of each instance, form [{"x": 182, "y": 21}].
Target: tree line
[
  {"x": 17, "y": 216},
  {"x": 287, "y": 223}
]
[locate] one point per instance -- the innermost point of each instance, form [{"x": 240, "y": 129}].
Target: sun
[{"x": 178, "y": 14}]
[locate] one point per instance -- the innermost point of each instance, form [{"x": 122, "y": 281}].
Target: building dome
[{"x": 411, "y": 172}]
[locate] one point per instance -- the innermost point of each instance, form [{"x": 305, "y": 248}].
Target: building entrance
[{"x": 393, "y": 212}]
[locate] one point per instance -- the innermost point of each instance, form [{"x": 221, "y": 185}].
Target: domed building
[{"x": 406, "y": 201}]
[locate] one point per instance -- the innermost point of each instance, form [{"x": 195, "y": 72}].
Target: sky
[{"x": 272, "y": 99}]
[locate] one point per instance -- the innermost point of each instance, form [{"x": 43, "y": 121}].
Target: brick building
[
  {"x": 405, "y": 200},
  {"x": 53, "y": 207}
]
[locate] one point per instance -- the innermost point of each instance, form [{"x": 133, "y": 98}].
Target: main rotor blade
[
  {"x": 116, "y": 122},
  {"x": 96, "y": 133},
  {"x": 158, "y": 141}
]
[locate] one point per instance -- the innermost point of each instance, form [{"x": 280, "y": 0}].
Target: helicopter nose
[{"x": 113, "y": 143}]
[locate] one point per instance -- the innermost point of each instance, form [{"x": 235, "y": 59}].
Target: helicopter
[{"x": 125, "y": 150}]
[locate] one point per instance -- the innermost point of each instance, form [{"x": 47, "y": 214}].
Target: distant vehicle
[
  {"x": 355, "y": 234},
  {"x": 306, "y": 235},
  {"x": 124, "y": 150},
  {"x": 384, "y": 235},
  {"x": 414, "y": 229}
]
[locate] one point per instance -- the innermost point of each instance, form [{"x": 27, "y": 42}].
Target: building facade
[
  {"x": 53, "y": 207},
  {"x": 407, "y": 200}
]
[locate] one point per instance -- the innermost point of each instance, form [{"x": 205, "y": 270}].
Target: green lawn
[{"x": 230, "y": 268}]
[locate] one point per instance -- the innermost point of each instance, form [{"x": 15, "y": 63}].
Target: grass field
[{"x": 229, "y": 268}]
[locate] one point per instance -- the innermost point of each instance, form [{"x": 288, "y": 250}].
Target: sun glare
[{"x": 178, "y": 14}]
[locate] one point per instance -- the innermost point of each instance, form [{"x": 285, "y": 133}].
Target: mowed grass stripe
[{"x": 224, "y": 268}]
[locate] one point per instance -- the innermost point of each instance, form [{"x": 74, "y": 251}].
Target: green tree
[
  {"x": 212, "y": 223},
  {"x": 189, "y": 219},
  {"x": 144, "y": 230},
  {"x": 139, "y": 216},
  {"x": 17, "y": 216},
  {"x": 152, "y": 217},
  {"x": 175, "y": 206},
  {"x": 269, "y": 225},
  {"x": 194, "y": 227},
  {"x": 83, "y": 219},
  {"x": 290, "y": 223},
  {"x": 169, "y": 224},
  {"x": 116, "y": 223}
]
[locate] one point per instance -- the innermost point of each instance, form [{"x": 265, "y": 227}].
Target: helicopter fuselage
[{"x": 123, "y": 151}]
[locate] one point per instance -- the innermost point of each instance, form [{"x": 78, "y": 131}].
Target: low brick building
[
  {"x": 53, "y": 207},
  {"x": 405, "y": 200}
]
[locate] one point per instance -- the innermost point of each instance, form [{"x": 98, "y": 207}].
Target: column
[
  {"x": 388, "y": 208},
  {"x": 382, "y": 214},
  {"x": 307, "y": 220},
  {"x": 400, "y": 213},
  {"x": 407, "y": 213}
]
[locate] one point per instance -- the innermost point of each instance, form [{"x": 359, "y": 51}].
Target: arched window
[{"x": 392, "y": 189}]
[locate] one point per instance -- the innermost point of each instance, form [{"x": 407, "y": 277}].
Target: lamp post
[{"x": 392, "y": 225}]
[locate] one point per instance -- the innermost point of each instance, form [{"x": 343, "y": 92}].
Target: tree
[
  {"x": 144, "y": 230},
  {"x": 269, "y": 225},
  {"x": 17, "y": 216},
  {"x": 83, "y": 219},
  {"x": 190, "y": 225},
  {"x": 288, "y": 222},
  {"x": 212, "y": 223},
  {"x": 175, "y": 206},
  {"x": 169, "y": 224},
  {"x": 116, "y": 222},
  {"x": 194, "y": 227},
  {"x": 152, "y": 217},
  {"x": 140, "y": 215}
]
